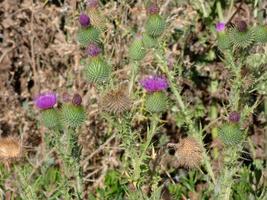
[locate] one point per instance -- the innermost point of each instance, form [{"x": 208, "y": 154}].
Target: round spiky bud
[
  {"x": 84, "y": 20},
  {"x": 241, "y": 39},
  {"x": 72, "y": 115},
  {"x": 97, "y": 19},
  {"x": 148, "y": 41},
  {"x": 88, "y": 35},
  {"x": 51, "y": 119},
  {"x": 189, "y": 153},
  {"x": 97, "y": 70},
  {"x": 155, "y": 25},
  {"x": 10, "y": 148},
  {"x": 116, "y": 101},
  {"x": 260, "y": 34},
  {"x": 137, "y": 50},
  {"x": 230, "y": 134},
  {"x": 156, "y": 102},
  {"x": 76, "y": 100},
  {"x": 234, "y": 117},
  {"x": 93, "y": 50},
  {"x": 242, "y": 26},
  {"x": 224, "y": 41}
]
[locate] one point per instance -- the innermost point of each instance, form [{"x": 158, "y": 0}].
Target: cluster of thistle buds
[
  {"x": 69, "y": 114},
  {"x": 154, "y": 28},
  {"x": 241, "y": 35},
  {"x": 96, "y": 69}
]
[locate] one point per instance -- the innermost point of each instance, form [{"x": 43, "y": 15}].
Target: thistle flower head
[
  {"x": 46, "y": 100},
  {"x": 92, "y": 3},
  {"x": 242, "y": 26},
  {"x": 116, "y": 101},
  {"x": 84, "y": 20},
  {"x": 154, "y": 83},
  {"x": 93, "y": 50},
  {"x": 153, "y": 9},
  {"x": 77, "y": 99},
  {"x": 220, "y": 27},
  {"x": 10, "y": 148},
  {"x": 234, "y": 117},
  {"x": 66, "y": 97},
  {"x": 189, "y": 153}
]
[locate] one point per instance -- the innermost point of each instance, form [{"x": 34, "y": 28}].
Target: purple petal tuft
[
  {"x": 154, "y": 83},
  {"x": 46, "y": 100}
]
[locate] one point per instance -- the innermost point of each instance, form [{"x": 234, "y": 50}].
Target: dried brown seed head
[
  {"x": 189, "y": 153},
  {"x": 10, "y": 148},
  {"x": 116, "y": 101}
]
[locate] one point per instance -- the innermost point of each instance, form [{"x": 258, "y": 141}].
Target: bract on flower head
[
  {"x": 46, "y": 100},
  {"x": 154, "y": 83}
]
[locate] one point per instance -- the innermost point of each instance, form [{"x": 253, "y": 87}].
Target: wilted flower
[
  {"x": 242, "y": 26},
  {"x": 66, "y": 97},
  {"x": 234, "y": 117},
  {"x": 93, "y": 49},
  {"x": 116, "y": 101},
  {"x": 220, "y": 27},
  {"x": 154, "y": 83},
  {"x": 188, "y": 152},
  {"x": 84, "y": 20},
  {"x": 77, "y": 99},
  {"x": 10, "y": 148},
  {"x": 46, "y": 100}
]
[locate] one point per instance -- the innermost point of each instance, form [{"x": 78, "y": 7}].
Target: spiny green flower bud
[
  {"x": 97, "y": 70},
  {"x": 137, "y": 50},
  {"x": 51, "y": 119},
  {"x": 260, "y": 34},
  {"x": 148, "y": 41},
  {"x": 72, "y": 115},
  {"x": 230, "y": 134},
  {"x": 224, "y": 42},
  {"x": 155, "y": 25},
  {"x": 241, "y": 39},
  {"x": 156, "y": 102},
  {"x": 88, "y": 35}
]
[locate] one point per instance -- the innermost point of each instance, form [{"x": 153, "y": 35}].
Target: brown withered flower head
[
  {"x": 189, "y": 153},
  {"x": 10, "y": 149},
  {"x": 116, "y": 101}
]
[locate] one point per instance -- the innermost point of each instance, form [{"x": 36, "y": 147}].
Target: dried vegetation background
[{"x": 38, "y": 52}]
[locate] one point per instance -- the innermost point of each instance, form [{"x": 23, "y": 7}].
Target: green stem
[
  {"x": 192, "y": 130},
  {"x": 134, "y": 70}
]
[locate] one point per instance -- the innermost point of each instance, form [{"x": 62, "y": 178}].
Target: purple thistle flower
[
  {"x": 76, "y": 100},
  {"x": 234, "y": 117},
  {"x": 84, "y": 20},
  {"x": 93, "y": 50},
  {"x": 154, "y": 83},
  {"x": 92, "y": 3},
  {"x": 153, "y": 9},
  {"x": 220, "y": 27},
  {"x": 46, "y": 100}
]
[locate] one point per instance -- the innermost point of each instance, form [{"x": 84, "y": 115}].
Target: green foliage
[
  {"x": 137, "y": 50},
  {"x": 51, "y": 118},
  {"x": 231, "y": 134},
  {"x": 72, "y": 115},
  {"x": 156, "y": 102},
  {"x": 88, "y": 35},
  {"x": 97, "y": 70},
  {"x": 149, "y": 42},
  {"x": 241, "y": 39},
  {"x": 260, "y": 33},
  {"x": 155, "y": 25}
]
